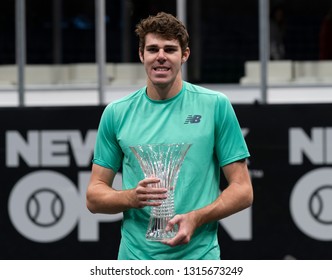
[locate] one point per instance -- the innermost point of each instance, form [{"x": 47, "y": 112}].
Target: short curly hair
[{"x": 165, "y": 25}]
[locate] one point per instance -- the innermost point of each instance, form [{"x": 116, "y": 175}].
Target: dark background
[
  {"x": 274, "y": 233},
  {"x": 227, "y": 36}
]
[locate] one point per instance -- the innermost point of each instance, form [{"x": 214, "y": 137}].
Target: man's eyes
[
  {"x": 152, "y": 49},
  {"x": 167, "y": 50},
  {"x": 170, "y": 50}
]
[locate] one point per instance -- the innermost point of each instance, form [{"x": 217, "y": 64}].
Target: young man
[{"x": 157, "y": 113}]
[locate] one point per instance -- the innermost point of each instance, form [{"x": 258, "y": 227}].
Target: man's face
[{"x": 162, "y": 59}]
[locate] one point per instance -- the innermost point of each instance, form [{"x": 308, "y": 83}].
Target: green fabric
[{"x": 195, "y": 115}]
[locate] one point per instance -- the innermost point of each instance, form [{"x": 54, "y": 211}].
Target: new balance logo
[{"x": 193, "y": 119}]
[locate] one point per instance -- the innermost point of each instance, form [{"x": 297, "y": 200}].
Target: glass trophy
[{"x": 163, "y": 161}]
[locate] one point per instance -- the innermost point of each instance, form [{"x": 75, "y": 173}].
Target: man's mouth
[{"x": 161, "y": 69}]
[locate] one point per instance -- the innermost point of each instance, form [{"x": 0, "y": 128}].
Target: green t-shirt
[{"x": 196, "y": 115}]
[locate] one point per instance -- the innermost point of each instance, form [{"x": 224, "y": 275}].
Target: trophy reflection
[{"x": 164, "y": 162}]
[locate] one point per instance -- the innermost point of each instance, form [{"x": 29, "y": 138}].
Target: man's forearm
[
  {"x": 232, "y": 200},
  {"x": 107, "y": 200}
]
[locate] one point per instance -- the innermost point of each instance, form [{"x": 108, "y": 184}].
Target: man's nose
[{"x": 161, "y": 55}]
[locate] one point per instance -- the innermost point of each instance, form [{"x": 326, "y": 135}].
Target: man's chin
[{"x": 160, "y": 82}]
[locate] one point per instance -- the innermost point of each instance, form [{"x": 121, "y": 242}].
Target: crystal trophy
[{"x": 162, "y": 161}]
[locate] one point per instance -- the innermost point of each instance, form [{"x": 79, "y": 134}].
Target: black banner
[{"x": 45, "y": 166}]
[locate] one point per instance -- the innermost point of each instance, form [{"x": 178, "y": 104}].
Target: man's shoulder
[
  {"x": 130, "y": 97},
  {"x": 205, "y": 91},
  {"x": 125, "y": 101}
]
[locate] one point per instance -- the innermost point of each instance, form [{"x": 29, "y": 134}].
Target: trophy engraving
[{"x": 164, "y": 162}]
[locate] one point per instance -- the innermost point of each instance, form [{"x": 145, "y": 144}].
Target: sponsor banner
[{"x": 45, "y": 166}]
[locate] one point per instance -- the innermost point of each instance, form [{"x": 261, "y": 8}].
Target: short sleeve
[
  {"x": 230, "y": 143},
  {"x": 107, "y": 151}
]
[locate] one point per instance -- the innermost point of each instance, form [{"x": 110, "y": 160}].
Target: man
[{"x": 159, "y": 113}]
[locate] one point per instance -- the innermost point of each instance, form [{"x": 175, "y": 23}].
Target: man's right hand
[{"x": 147, "y": 194}]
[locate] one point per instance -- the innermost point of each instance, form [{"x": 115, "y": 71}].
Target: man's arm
[
  {"x": 236, "y": 197},
  {"x": 102, "y": 198}
]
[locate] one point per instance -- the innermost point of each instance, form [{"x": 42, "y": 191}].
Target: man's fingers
[
  {"x": 150, "y": 180},
  {"x": 176, "y": 240},
  {"x": 172, "y": 222},
  {"x": 152, "y": 196}
]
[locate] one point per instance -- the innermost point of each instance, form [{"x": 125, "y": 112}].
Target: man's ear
[
  {"x": 141, "y": 57},
  {"x": 185, "y": 55}
]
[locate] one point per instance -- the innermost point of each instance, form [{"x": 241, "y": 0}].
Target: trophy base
[
  {"x": 159, "y": 236},
  {"x": 157, "y": 232}
]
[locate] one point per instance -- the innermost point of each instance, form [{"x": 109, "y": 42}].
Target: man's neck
[{"x": 163, "y": 92}]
